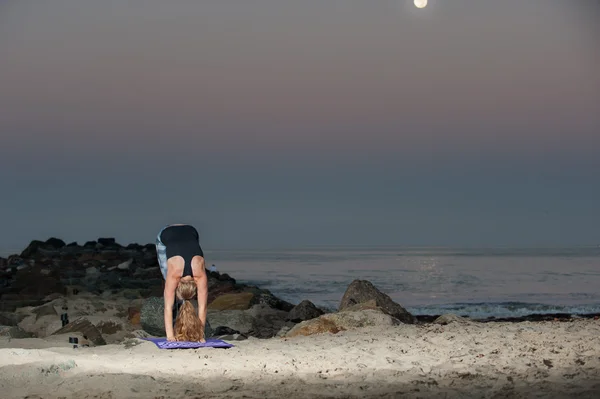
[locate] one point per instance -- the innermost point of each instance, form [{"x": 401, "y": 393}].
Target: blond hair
[{"x": 188, "y": 326}]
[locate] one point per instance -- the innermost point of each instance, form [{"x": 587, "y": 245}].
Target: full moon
[{"x": 420, "y": 3}]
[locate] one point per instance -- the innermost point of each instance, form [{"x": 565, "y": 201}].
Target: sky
[{"x": 270, "y": 123}]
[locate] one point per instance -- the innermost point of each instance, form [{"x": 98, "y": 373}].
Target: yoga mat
[{"x": 162, "y": 343}]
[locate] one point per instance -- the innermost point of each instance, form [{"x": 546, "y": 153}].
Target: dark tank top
[{"x": 182, "y": 240}]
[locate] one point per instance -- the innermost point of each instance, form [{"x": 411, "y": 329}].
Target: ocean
[{"x": 478, "y": 283}]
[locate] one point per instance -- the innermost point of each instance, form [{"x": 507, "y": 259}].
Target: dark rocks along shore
[{"x": 111, "y": 292}]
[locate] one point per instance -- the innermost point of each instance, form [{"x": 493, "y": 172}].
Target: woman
[{"x": 181, "y": 262}]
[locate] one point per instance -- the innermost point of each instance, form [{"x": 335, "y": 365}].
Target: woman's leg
[{"x": 161, "y": 254}]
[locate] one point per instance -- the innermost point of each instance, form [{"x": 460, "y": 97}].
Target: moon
[{"x": 420, "y": 3}]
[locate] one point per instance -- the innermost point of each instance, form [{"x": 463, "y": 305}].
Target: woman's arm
[
  {"x": 169, "y": 295},
  {"x": 202, "y": 286}
]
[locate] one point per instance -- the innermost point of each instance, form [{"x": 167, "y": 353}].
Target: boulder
[
  {"x": 14, "y": 261},
  {"x": 450, "y": 318},
  {"x": 40, "y": 326},
  {"x": 360, "y": 291},
  {"x": 152, "y": 316},
  {"x": 133, "y": 315},
  {"x": 86, "y": 328},
  {"x": 32, "y": 249},
  {"x": 10, "y": 319},
  {"x": 55, "y": 243},
  {"x": 37, "y": 282},
  {"x": 305, "y": 310},
  {"x": 108, "y": 242},
  {"x": 238, "y": 320},
  {"x": 234, "y": 301},
  {"x": 266, "y": 298},
  {"x": 219, "y": 331},
  {"x": 267, "y": 321},
  {"x": 14, "y": 332},
  {"x": 336, "y": 322},
  {"x": 259, "y": 321},
  {"x": 46, "y": 309},
  {"x": 37, "y": 247}
]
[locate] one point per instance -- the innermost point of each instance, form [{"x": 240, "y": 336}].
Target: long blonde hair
[{"x": 188, "y": 326}]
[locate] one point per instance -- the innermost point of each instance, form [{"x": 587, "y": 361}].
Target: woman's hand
[{"x": 171, "y": 338}]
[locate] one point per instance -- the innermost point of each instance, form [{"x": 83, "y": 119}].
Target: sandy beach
[{"x": 460, "y": 359}]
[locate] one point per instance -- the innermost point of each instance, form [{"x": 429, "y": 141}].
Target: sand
[{"x": 462, "y": 360}]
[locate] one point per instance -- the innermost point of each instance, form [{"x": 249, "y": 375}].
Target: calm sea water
[{"x": 477, "y": 283}]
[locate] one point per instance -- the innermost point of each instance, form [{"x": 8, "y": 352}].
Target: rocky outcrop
[
  {"x": 104, "y": 268},
  {"x": 450, "y": 319},
  {"x": 260, "y": 321},
  {"x": 37, "y": 284},
  {"x": 151, "y": 316},
  {"x": 14, "y": 332},
  {"x": 360, "y": 291},
  {"x": 37, "y": 247},
  {"x": 305, "y": 310},
  {"x": 335, "y": 322},
  {"x": 86, "y": 328},
  {"x": 234, "y": 301}
]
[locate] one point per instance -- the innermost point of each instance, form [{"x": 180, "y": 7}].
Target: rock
[
  {"x": 37, "y": 247},
  {"x": 125, "y": 265},
  {"x": 265, "y": 297},
  {"x": 305, "y": 310},
  {"x": 231, "y": 337},
  {"x": 108, "y": 242},
  {"x": 284, "y": 330},
  {"x": 238, "y": 320},
  {"x": 336, "y": 322},
  {"x": 3, "y": 263},
  {"x": 236, "y": 301},
  {"x": 11, "y": 319},
  {"x": 55, "y": 243},
  {"x": 259, "y": 321},
  {"x": 37, "y": 283},
  {"x": 32, "y": 249},
  {"x": 85, "y": 327},
  {"x": 151, "y": 316},
  {"x": 14, "y": 332},
  {"x": 218, "y": 286},
  {"x": 360, "y": 291},
  {"x": 133, "y": 315},
  {"x": 109, "y": 327},
  {"x": 40, "y": 326},
  {"x": 314, "y": 326},
  {"x": 45, "y": 310},
  {"x": 224, "y": 331},
  {"x": 267, "y": 321},
  {"x": 14, "y": 261},
  {"x": 451, "y": 318},
  {"x": 370, "y": 304}
]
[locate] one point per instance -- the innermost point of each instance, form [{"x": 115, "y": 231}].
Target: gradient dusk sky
[{"x": 270, "y": 123}]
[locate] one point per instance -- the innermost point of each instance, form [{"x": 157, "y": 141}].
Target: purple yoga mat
[{"x": 162, "y": 343}]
